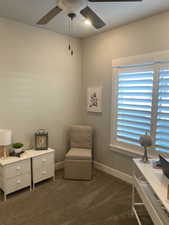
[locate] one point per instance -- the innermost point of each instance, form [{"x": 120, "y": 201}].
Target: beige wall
[
  {"x": 151, "y": 34},
  {"x": 40, "y": 83}
]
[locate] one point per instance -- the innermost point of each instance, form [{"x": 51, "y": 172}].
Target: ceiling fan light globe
[{"x": 88, "y": 22}]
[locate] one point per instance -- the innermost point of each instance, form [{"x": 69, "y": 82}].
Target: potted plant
[{"x": 17, "y": 147}]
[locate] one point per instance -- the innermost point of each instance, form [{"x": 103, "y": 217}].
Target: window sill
[{"x": 125, "y": 151}]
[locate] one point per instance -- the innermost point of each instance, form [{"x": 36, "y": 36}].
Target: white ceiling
[{"x": 114, "y": 14}]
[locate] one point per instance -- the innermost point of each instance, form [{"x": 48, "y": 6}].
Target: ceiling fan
[{"x": 71, "y": 7}]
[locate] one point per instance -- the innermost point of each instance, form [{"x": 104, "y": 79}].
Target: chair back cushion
[{"x": 81, "y": 137}]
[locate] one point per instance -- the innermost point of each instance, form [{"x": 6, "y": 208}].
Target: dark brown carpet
[{"x": 103, "y": 201}]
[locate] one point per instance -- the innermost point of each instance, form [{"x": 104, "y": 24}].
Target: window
[
  {"x": 162, "y": 129},
  {"x": 142, "y": 105}
]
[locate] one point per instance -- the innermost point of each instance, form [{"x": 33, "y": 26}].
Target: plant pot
[{"x": 18, "y": 150}]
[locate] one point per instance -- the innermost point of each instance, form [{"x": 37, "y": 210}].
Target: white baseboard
[
  {"x": 59, "y": 165},
  {"x": 116, "y": 173}
]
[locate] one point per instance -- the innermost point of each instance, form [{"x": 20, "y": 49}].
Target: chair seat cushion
[{"x": 79, "y": 153}]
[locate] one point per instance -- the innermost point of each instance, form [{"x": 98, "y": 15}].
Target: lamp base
[
  {"x": 145, "y": 156},
  {"x": 3, "y": 152}
]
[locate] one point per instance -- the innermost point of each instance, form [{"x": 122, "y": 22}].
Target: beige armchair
[{"x": 78, "y": 160}]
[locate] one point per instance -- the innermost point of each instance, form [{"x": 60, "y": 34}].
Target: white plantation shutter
[
  {"x": 141, "y": 101},
  {"x": 162, "y": 127},
  {"x": 134, "y": 105}
]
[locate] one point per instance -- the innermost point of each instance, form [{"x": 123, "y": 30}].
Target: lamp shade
[{"x": 5, "y": 137}]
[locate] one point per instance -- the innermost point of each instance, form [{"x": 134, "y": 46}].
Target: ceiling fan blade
[
  {"x": 52, "y": 13},
  {"x": 91, "y": 15},
  {"x": 115, "y": 0}
]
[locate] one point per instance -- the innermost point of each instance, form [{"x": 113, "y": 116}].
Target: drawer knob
[
  {"x": 18, "y": 182},
  {"x": 44, "y": 172},
  {"x": 43, "y": 160},
  {"x": 18, "y": 167}
]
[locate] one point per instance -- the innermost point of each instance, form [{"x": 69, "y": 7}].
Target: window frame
[
  {"x": 115, "y": 99},
  {"x": 161, "y": 67},
  {"x": 156, "y": 67}
]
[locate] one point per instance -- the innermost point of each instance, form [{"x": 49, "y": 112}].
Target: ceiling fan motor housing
[
  {"x": 71, "y": 15},
  {"x": 72, "y": 6}
]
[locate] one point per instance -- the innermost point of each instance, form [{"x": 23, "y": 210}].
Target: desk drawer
[
  {"x": 17, "y": 183},
  {"x": 16, "y": 169},
  {"x": 43, "y": 173},
  {"x": 43, "y": 160}
]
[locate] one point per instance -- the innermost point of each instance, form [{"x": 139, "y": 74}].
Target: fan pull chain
[
  {"x": 72, "y": 32},
  {"x": 71, "y": 16},
  {"x": 69, "y": 47}
]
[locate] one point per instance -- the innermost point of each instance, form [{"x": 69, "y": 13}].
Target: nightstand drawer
[
  {"x": 42, "y": 174},
  {"x": 17, "y": 183},
  {"x": 42, "y": 160},
  {"x": 16, "y": 169}
]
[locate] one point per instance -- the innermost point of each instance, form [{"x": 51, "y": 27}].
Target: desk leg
[
  {"x": 132, "y": 200},
  {"x": 134, "y": 203},
  {"x": 133, "y": 191}
]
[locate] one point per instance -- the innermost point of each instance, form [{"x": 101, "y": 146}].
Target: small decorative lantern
[{"x": 41, "y": 139}]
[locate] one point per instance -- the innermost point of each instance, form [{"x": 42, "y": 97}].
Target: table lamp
[{"x": 5, "y": 140}]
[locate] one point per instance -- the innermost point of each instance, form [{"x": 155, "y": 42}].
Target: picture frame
[{"x": 94, "y": 99}]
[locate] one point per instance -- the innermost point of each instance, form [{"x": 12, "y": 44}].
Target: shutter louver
[
  {"x": 134, "y": 105},
  {"x": 162, "y": 127}
]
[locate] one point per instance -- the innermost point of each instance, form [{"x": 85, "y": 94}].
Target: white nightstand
[
  {"x": 32, "y": 167},
  {"x": 43, "y": 165},
  {"x": 15, "y": 174}
]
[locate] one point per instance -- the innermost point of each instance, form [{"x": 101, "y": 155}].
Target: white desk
[{"x": 152, "y": 188}]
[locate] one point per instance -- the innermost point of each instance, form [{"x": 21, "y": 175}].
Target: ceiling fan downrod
[{"x": 71, "y": 16}]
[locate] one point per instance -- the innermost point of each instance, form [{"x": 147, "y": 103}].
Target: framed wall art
[{"x": 94, "y": 99}]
